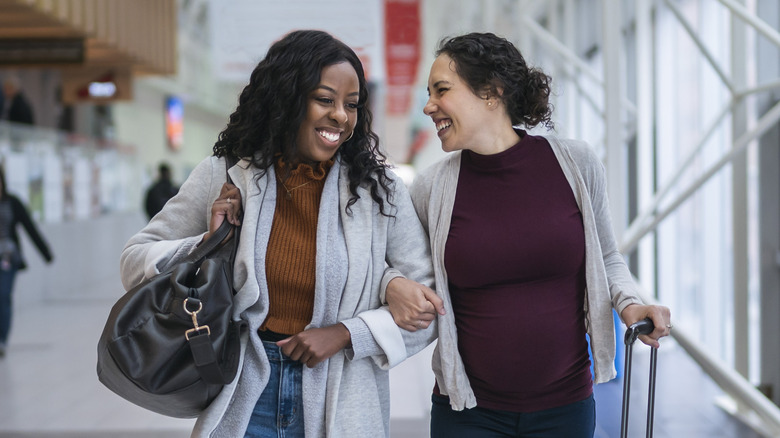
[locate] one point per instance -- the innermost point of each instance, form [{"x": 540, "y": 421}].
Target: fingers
[
  {"x": 662, "y": 320},
  {"x": 295, "y": 350},
  {"x": 230, "y": 208},
  {"x": 648, "y": 340},
  {"x": 413, "y": 305},
  {"x": 228, "y": 190},
  {"x": 227, "y": 206},
  {"x": 661, "y": 317},
  {"x": 415, "y": 317},
  {"x": 232, "y": 196},
  {"x": 312, "y": 346},
  {"x": 412, "y": 325},
  {"x": 434, "y": 299}
]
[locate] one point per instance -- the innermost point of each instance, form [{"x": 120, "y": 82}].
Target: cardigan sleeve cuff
[
  {"x": 624, "y": 302},
  {"x": 159, "y": 256},
  {"x": 389, "y": 275},
  {"x": 376, "y": 335},
  {"x": 363, "y": 343}
]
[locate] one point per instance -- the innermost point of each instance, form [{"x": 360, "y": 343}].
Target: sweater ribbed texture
[{"x": 292, "y": 247}]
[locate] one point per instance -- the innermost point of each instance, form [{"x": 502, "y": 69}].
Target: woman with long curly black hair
[
  {"x": 326, "y": 229},
  {"x": 525, "y": 258}
]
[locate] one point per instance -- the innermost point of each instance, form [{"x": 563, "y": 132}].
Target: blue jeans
[
  {"x": 6, "y": 304},
  {"x": 576, "y": 420},
  {"x": 278, "y": 412}
]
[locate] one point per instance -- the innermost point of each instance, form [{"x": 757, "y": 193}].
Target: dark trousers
[
  {"x": 7, "y": 277},
  {"x": 576, "y": 420}
]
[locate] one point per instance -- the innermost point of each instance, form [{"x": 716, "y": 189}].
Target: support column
[
  {"x": 739, "y": 208},
  {"x": 769, "y": 216},
  {"x": 645, "y": 134},
  {"x": 612, "y": 44}
]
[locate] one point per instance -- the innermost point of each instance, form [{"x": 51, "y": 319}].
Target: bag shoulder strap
[
  {"x": 215, "y": 242},
  {"x": 203, "y": 353}
]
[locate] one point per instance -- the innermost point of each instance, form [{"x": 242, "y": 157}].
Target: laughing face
[
  {"x": 331, "y": 113},
  {"x": 458, "y": 113}
]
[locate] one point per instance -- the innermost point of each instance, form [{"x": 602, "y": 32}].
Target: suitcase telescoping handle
[{"x": 643, "y": 327}]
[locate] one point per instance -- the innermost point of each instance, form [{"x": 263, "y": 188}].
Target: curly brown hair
[{"x": 492, "y": 65}]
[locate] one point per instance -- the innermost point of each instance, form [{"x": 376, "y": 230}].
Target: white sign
[{"x": 243, "y": 30}]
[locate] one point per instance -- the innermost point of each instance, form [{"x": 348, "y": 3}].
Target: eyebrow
[
  {"x": 437, "y": 83},
  {"x": 325, "y": 87}
]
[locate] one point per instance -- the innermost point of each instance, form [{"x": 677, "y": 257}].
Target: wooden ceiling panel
[{"x": 114, "y": 31}]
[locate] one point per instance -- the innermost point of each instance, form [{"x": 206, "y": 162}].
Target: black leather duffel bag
[{"x": 170, "y": 344}]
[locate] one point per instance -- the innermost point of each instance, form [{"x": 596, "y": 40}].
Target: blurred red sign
[{"x": 402, "y": 52}]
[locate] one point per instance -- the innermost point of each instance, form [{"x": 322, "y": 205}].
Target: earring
[{"x": 350, "y": 136}]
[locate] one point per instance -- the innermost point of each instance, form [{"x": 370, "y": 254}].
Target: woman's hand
[
  {"x": 313, "y": 346},
  {"x": 412, "y": 305},
  {"x": 226, "y": 206},
  {"x": 660, "y": 315}
]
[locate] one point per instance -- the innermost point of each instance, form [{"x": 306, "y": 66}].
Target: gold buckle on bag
[{"x": 194, "y": 316}]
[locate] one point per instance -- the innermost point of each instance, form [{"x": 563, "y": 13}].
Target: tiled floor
[{"x": 48, "y": 387}]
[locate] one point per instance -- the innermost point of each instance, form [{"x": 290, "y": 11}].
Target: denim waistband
[{"x": 274, "y": 353}]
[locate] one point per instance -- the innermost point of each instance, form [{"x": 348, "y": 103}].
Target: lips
[
  {"x": 330, "y": 136},
  {"x": 443, "y": 124}
]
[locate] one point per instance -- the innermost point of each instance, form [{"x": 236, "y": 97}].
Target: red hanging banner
[{"x": 402, "y": 52}]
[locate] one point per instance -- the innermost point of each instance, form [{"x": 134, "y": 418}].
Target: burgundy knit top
[{"x": 515, "y": 258}]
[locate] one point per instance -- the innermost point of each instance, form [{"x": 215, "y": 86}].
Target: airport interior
[{"x": 680, "y": 99}]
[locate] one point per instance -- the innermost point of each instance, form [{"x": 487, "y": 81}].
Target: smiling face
[
  {"x": 460, "y": 116},
  {"x": 331, "y": 113}
]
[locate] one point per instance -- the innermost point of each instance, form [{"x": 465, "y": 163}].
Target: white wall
[{"x": 86, "y": 260}]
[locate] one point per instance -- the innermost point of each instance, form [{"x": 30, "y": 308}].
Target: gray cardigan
[
  {"x": 347, "y": 395},
  {"x": 609, "y": 282}
]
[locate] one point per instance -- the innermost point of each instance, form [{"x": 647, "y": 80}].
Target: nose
[
  {"x": 429, "y": 107},
  {"x": 339, "y": 114}
]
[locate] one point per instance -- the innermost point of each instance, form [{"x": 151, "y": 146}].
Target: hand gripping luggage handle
[{"x": 643, "y": 327}]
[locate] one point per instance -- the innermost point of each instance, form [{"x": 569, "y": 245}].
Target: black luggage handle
[{"x": 643, "y": 327}]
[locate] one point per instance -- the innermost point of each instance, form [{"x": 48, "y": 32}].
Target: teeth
[
  {"x": 443, "y": 124},
  {"x": 330, "y": 136}
]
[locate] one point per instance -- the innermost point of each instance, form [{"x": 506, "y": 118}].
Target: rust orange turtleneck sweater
[{"x": 290, "y": 260}]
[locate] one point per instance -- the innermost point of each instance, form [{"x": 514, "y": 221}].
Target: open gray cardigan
[
  {"x": 609, "y": 282},
  {"x": 358, "y": 253}
]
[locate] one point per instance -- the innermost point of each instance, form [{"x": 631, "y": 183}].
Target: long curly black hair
[
  {"x": 272, "y": 107},
  {"x": 492, "y": 65}
]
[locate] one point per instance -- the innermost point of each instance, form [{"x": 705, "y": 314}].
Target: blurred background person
[
  {"x": 13, "y": 213},
  {"x": 160, "y": 192},
  {"x": 15, "y": 108}
]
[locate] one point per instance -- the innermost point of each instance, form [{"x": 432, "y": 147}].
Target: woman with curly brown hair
[
  {"x": 524, "y": 254},
  {"x": 326, "y": 228}
]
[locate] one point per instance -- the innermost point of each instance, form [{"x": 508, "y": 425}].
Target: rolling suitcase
[{"x": 643, "y": 327}]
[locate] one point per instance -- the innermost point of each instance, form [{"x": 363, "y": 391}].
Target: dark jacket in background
[
  {"x": 20, "y": 216},
  {"x": 157, "y": 195},
  {"x": 20, "y": 110}
]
